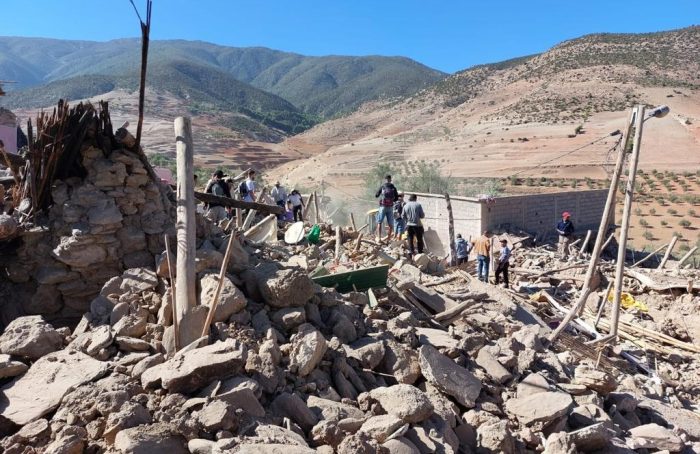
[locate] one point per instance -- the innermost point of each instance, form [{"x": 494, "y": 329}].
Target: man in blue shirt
[
  {"x": 565, "y": 229},
  {"x": 462, "y": 249}
]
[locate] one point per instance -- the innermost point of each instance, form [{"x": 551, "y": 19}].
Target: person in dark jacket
[
  {"x": 462, "y": 248},
  {"x": 387, "y": 194},
  {"x": 565, "y": 229},
  {"x": 412, "y": 214},
  {"x": 217, "y": 186}
]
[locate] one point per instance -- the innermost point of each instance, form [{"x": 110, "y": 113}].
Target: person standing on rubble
[
  {"x": 387, "y": 194},
  {"x": 217, "y": 186},
  {"x": 247, "y": 187},
  {"x": 565, "y": 229},
  {"x": 462, "y": 249},
  {"x": 279, "y": 195},
  {"x": 482, "y": 248},
  {"x": 399, "y": 224},
  {"x": 503, "y": 263},
  {"x": 412, "y": 214},
  {"x": 297, "y": 204}
]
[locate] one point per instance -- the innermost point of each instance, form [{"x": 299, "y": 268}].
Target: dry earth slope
[{"x": 512, "y": 117}]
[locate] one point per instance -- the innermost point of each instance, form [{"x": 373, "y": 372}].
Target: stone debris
[{"x": 434, "y": 362}]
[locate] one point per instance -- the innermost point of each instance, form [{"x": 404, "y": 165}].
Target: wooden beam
[
  {"x": 239, "y": 204},
  {"x": 317, "y": 213},
  {"x": 686, "y": 257},
  {"x": 251, "y": 214},
  {"x": 451, "y": 231},
  {"x": 185, "y": 291},
  {"x": 598, "y": 247},
  {"x": 582, "y": 251},
  {"x": 352, "y": 222},
  {"x": 338, "y": 242},
  {"x": 648, "y": 256},
  {"x": 219, "y": 285},
  {"x": 668, "y": 253}
]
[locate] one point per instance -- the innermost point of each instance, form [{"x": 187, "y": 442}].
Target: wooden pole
[
  {"x": 239, "y": 217},
  {"x": 582, "y": 251},
  {"x": 306, "y": 206},
  {"x": 317, "y": 213},
  {"x": 185, "y": 291},
  {"x": 173, "y": 302},
  {"x": 451, "y": 230},
  {"x": 219, "y": 286},
  {"x": 357, "y": 243},
  {"x": 668, "y": 253},
  {"x": 352, "y": 222},
  {"x": 626, "y": 215},
  {"x": 252, "y": 213},
  {"x": 338, "y": 242},
  {"x": 686, "y": 257},
  {"x": 598, "y": 247},
  {"x": 602, "y": 304},
  {"x": 610, "y": 238},
  {"x": 648, "y": 256}
]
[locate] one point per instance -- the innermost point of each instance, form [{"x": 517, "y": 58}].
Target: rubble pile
[
  {"x": 429, "y": 360},
  {"x": 294, "y": 367}
]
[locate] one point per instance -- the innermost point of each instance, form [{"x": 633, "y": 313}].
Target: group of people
[
  {"x": 400, "y": 216},
  {"x": 221, "y": 185},
  {"x": 482, "y": 248}
]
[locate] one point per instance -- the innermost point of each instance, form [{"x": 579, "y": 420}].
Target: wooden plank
[
  {"x": 451, "y": 231},
  {"x": 668, "y": 253},
  {"x": 650, "y": 255},
  {"x": 436, "y": 302}
]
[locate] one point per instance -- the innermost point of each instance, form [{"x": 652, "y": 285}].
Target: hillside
[
  {"x": 524, "y": 117},
  {"x": 237, "y": 105},
  {"x": 319, "y": 86}
]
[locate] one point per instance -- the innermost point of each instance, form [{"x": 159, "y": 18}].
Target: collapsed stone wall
[{"x": 98, "y": 226}]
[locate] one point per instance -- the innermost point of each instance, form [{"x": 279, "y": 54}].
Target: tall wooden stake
[
  {"x": 173, "y": 302},
  {"x": 219, "y": 285},
  {"x": 352, "y": 222},
  {"x": 317, "y": 213},
  {"x": 451, "y": 230},
  {"x": 668, "y": 253},
  {"x": 624, "y": 229},
  {"x": 598, "y": 247},
  {"x": 185, "y": 291}
]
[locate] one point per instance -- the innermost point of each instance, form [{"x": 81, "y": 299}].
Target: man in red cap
[{"x": 565, "y": 229}]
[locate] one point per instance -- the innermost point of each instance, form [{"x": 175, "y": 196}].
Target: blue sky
[{"x": 445, "y": 34}]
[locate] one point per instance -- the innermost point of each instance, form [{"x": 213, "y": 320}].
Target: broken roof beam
[{"x": 228, "y": 202}]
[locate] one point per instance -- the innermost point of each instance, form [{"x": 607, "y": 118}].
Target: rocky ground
[{"x": 292, "y": 367}]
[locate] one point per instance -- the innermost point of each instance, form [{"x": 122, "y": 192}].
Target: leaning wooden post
[
  {"x": 338, "y": 242},
  {"x": 598, "y": 247},
  {"x": 219, "y": 285},
  {"x": 668, "y": 253},
  {"x": 686, "y": 257},
  {"x": 185, "y": 291},
  {"x": 650, "y": 255},
  {"x": 582, "y": 251},
  {"x": 624, "y": 229},
  {"x": 317, "y": 213},
  {"x": 305, "y": 206},
  {"x": 352, "y": 222},
  {"x": 451, "y": 230},
  {"x": 173, "y": 303}
]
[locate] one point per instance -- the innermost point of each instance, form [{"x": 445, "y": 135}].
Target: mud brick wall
[{"x": 111, "y": 220}]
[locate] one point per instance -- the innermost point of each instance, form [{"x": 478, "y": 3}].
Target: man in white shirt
[
  {"x": 249, "y": 195},
  {"x": 279, "y": 194}
]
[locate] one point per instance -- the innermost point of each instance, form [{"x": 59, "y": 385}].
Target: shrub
[
  {"x": 638, "y": 212},
  {"x": 664, "y": 223},
  {"x": 684, "y": 223},
  {"x": 652, "y": 211},
  {"x": 672, "y": 211},
  {"x": 648, "y": 235},
  {"x": 692, "y": 213},
  {"x": 643, "y": 223}
]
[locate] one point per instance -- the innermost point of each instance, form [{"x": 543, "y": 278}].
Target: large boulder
[
  {"x": 291, "y": 287},
  {"x": 449, "y": 377},
  {"x": 192, "y": 370},
  {"x": 541, "y": 407},
  {"x": 406, "y": 402},
  {"x": 41, "y": 389},
  {"x": 10, "y": 368},
  {"x": 401, "y": 362},
  {"x": 30, "y": 337},
  {"x": 137, "y": 280},
  {"x": 151, "y": 439},
  {"x": 231, "y": 299},
  {"x": 308, "y": 348},
  {"x": 654, "y": 436}
]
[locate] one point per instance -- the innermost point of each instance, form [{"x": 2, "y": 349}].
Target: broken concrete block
[
  {"x": 654, "y": 436},
  {"x": 406, "y": 402},
  {"x": 381, "y": 427},
  {"x": 308, "y": 348},
  {"x": 151, "y": 439},
  {"x": 532, "y": 384},
  {"x": 400, "y": 361},
  {"x": 217, "y": 415},
  {"x": 292, "y": 407},
  {"x": 541, "y": 407},
  {"x": 41, "y": 389},
  {"x": 192, "y": 370},
  {"x": 495, "y": 438},
  {"x": 231, "y": 299},
  {"x": 30, "y": 337},
  {"x": 291, "y": 287},
  {"x": 10, "y": 368},
  {"x": 449, "y": 377},
  {"x": 333, "y": 411},
  {"x": 597, "y": 380},
  {"x": 137, "y": 280},
  {"x": 493, "y": 368},
  {"x": 368, "y": 351}
]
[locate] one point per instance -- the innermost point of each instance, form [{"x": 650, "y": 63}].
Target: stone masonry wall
[{"x": 112, "y": 220}]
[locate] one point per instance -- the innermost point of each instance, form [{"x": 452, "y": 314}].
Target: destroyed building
[{"x": 300, "y": 357}]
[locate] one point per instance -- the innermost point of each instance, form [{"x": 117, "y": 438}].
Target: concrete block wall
[{"x": 535, "y": 213}]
